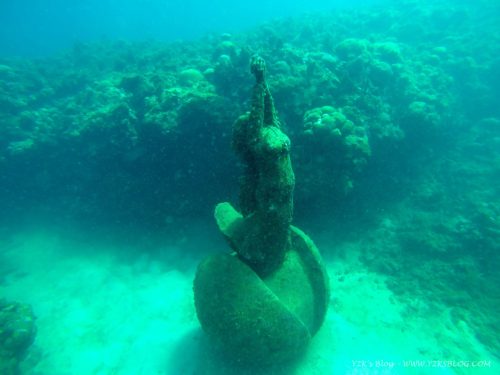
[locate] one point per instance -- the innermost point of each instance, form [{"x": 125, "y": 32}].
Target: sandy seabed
[{"x": 105, "y": 309}]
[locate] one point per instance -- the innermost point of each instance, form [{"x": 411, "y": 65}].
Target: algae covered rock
[
  {"x": 342, "y": 143},
  {"x": 422, "y": 120},
  {"x": 352, "y": 48},
  {"x": 190, "y": 77},
  {"x": 17, "y": 333},
  {"x": 389, "y": 52}
]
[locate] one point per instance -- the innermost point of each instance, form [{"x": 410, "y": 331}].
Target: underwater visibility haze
[
  {"x": 258, "y": 187},
  {"x": 39, "y": 28}
]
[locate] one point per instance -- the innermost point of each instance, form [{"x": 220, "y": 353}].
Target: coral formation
[
  {"x": 115, "y": 100},
  {"x": 343, "y": 150},
  {"x": 17, "y": 333}
]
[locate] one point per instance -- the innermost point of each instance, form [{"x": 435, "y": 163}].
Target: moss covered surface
[
  {"x": 17, "y": 333},
  {"x": 238, "y": 310},
  {"x": 263, "y": 321}
]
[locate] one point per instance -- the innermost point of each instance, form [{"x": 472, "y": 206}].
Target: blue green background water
[{"x": 32, "y": 27}]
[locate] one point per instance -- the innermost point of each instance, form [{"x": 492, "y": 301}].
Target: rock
[
  {"x": 190, "y": 77},
  {"x": 17, "y": 333}
]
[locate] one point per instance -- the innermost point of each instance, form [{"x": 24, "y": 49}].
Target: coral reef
[
  {"x": 17, "y": 333},
  {"x": 344, "y": 147},
  {"x": 116, "y": 100}
]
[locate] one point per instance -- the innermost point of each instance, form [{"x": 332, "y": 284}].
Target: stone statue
[{"x": 262, "y": 303}]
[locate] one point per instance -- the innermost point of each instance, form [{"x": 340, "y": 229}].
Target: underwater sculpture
[{"x": 262, "y": 304}]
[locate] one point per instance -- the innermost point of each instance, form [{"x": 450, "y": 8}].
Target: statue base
[{"x": 265, "y": 320}]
